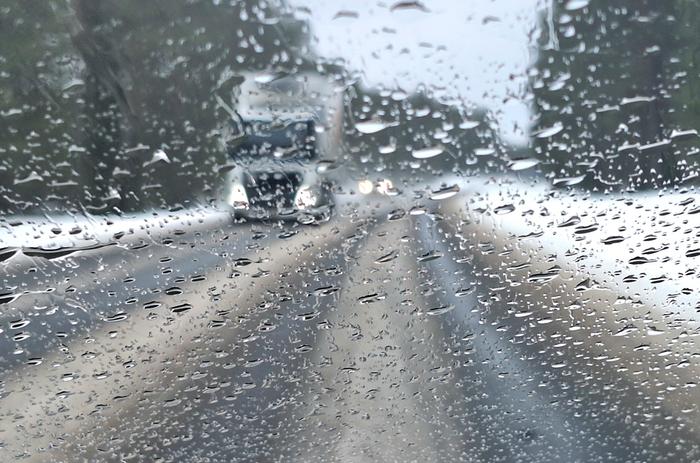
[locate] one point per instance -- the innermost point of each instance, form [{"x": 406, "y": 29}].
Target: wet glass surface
[{"x": 349, "y": 231}]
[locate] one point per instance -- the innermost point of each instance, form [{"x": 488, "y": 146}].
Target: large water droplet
[
  {"x": 444, "y": 193},
  {"x": 522, "y": 163},
  {"x": 426, "y": 153},
  {"x": 372, "y": 126}
]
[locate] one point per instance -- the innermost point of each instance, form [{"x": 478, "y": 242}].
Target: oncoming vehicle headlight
[
  {"x": 365, "y": 187},
  {"x": 305, "y": 198},
  {"x": 237, "y": 198},
  {"x": 385, "y": 187}
]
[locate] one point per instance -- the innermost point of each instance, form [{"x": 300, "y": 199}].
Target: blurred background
[{"x": 91, "y": 89}]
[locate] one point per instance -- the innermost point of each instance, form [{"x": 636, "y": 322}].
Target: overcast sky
[{"x": 466, "y": 52}]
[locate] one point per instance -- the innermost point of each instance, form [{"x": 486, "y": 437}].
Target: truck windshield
[{"x": 293, "y": 140}]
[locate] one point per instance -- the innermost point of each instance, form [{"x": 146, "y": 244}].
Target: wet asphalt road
[{"x": 488, "y": 326}]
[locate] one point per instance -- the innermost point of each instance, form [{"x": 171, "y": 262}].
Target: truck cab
[{"x": 281, "y": 127}]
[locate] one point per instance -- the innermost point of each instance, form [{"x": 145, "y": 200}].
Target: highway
[{"x": 506, "y": 322}]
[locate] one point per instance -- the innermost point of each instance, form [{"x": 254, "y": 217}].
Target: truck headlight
[
  {"x": 237, "y": 198},
  {"x": 386, "y": 187},
  {"x": 365, "y": 186},
  {"x": 305, "y": 198}
]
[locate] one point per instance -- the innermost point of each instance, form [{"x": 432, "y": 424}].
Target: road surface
[{"x": 505, "y": 322}]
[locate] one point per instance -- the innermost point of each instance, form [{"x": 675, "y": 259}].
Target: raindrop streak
[
  {"x": 173, "y": 291},
  {"x": 427, "y": 153},
  {"x": 568, "y": 181},
  {"x": 372, "y": 126},
  {"x": 117, "y": 317},
  {"x": 387, "y": 257},
  {"x": 396, "y": 214},
  {"x": 550, "y": 131},
  {"x": 467, "y": 124},
  {"x": 428, "y": 256},
  {"x": 18, "y": 324},
  {"x": 523, "y": 163},
  {"x": 345, "y": 14},
  {"x": 180, "y": 308},
  {"x": 371, "y": 298},
  {"x": 626, "y": 330},
  {"x": 613, "y": 239},
  {"x": 243, "y": 261},
  {"x": 504, "y": 209},
  {"x": 573, "y": 220},
  {"x": 692, "y": 252},
  {"x": 654, "y": 331},
  {"x": 151, "y": 305},
  {"x": 267, "y": 78},
  {"x": 464, "y": 292},
  {"x": 484, "y": 151},
  {"x": 544, "y": 277},
  {"x": 444, "y": 193},
  {"x": 586, "y": 228},
  {"x": 576, "y": 4},
  {"x": 407, "y": 5},
  {"x": 6, "y": 253},
  {"x": 6, "y": 298},
  {"x": 326, "y": 290},
  {"x": 440, "y": 310},
  {"x": 55, "y": 253}
]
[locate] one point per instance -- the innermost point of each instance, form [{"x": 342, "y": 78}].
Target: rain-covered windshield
[
  {"x": 282, "y": 140},
  {"x": 349, "y": 231}
]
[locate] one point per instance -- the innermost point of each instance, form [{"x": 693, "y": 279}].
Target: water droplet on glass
[
  {"x": 573, "y": 5},
  {"x": 613, "y": 239},
  {"x": 550, "y": 131},
  {"x": 440, "y": 310},
  {"x": 504, "y": 209},
  {"x": 444, "y": 193},
  {"x": 430, "y": 255},
  {"x": 426, "y": 153},
  {"x": 371, "y": 298},
  {"x": 522, "y": 163},
  {"x": 409, "y": 5},
  {"x": 372, "y": 126},
  {"x": 568, "y": 181}
]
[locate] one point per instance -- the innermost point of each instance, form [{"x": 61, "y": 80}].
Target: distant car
[
  {"x": 281, "y": 128},
  {"x": 381, "y": 186}
]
